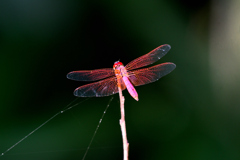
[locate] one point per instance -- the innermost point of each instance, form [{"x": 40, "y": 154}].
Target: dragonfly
[{"x": 123, "y": 77}]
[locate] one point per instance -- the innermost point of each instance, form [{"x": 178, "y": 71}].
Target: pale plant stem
[{"x": 123, "y": 126}]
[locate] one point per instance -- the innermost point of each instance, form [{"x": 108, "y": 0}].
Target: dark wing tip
[
  {"x": 69, "y": 75},
  {"x": 165, "y": 47},
  {"x": 167, "y": 68},
  {"x": 171, "y": 65},
  {"x": 73, "y": 76},
  {"x": 77, "y": 93}
]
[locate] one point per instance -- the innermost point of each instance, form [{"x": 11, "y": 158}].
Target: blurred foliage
[{"x": 192, "y": 113}]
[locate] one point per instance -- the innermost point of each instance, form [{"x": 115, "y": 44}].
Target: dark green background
[{"x": 180, "y": 117}]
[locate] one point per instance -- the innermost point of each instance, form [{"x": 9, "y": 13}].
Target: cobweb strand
[
  {"x": 97, "y": 128},
  {"x": 62, "y": 111}
]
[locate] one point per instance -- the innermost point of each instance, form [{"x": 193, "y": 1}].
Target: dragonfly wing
[
  {"x": 151, "y": 74},
  {"x": 90, "y": 75},
  {"x": 102, "y": 88},
  {"x": 149, "y": 58}
]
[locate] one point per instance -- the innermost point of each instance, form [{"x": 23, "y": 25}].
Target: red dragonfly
[{"x": 120, "y": 77}]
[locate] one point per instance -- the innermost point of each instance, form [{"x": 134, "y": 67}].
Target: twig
[{"x": 123, "y": 126}]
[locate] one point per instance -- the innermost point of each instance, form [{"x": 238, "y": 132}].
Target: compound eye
[{"x": 117, "y": 64}]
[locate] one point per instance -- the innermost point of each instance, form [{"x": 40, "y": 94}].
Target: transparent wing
[
  {"x": 151, "y": 74},
  {"x": 149, "y": 58},
  {"x": 90, "y": 75},
  {"x": 102, "y": 88}
]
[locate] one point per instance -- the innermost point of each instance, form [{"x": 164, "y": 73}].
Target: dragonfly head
[{"x": 117, "y": 64}]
